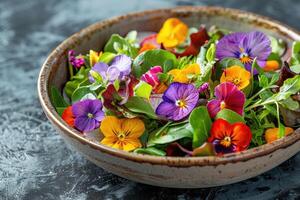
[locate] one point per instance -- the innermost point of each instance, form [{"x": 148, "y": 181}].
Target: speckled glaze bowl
[{"x": 176, "y": 172}]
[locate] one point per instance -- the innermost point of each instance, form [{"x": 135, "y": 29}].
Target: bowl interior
[{"x": 55, "y": 70}]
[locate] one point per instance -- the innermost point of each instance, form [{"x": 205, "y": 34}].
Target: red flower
[
  {"x": 68, "y": 116},
  {"x": 198, "y": 39},
  {"x": 228, "y": 138}
]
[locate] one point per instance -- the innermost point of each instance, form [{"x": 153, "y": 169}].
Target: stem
[
  {"x": 162, "y": 128},
  {"x": 71, "y": 70},
  {"x": 259, "y": 104}
]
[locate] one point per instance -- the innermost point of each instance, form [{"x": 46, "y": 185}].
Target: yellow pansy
[
  {"x": 272, "y": 134},
  {"x": 173, "y": 33},
  {"x": 236, "y": 75},
  {"x": 184, "y": 75},
  {"x": 122, "y": 134},
  {"x": 94, "y": 57}
]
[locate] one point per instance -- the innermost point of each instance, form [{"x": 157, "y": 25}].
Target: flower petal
[
  {"x": 258, "y": 45},
  {"x": 131, "y": 144},
  {"x": 134, "y": 127},
  {"x": 241, "y": 136},
  {"x": 109, "y": 141},
  {"x": 85, "y": 124},
  {"x": 123, "y": 64},
  {"x": 213, "y": 107},
  {"x": 110, "y": 125},
  {"x": 220, "y": 129},
  {"x": 166, "y": 109},
  {"x": 228, "y": 47}
]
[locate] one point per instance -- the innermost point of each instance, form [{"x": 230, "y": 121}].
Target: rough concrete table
[{"x": 35, "y": 163}]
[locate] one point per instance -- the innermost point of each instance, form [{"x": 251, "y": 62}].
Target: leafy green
[
  {"x": 143, "y": 89},
  {"x": 81, "y": 92},
  {"x": 290, "y": 86},
  {"x": 278, "y": 45},
  {"x": 80, "y": 79},
  {"x": 228, "y": 62},
  {"x": 230, "y": 116},
  {"x": 170, "y": 134},
  {"x": 201, "y": 124},
  {"x": 211, "y": 53},
  {"x": 57, "y": 100},
  {"x": 106, "y": 57},
  {"x": 150, "y": 151},
  {"x": 140, "y": 105},
  {"x": 119, "y": 45},
  {"x": 206, "y": 149},
  {"x": 156, "y": 57},
  {"x": 295, "y": 58}
]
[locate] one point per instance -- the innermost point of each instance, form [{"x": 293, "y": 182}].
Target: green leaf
[
  {"x": 295, "y": 68},
  {"x": 150, "y": 151},
  {"x": 140, "y": 105},
  {"x": 60, "y": 110},
  {"x": 170, "y": 134},
  {"x": 77, "y": 80},
  {"x": 168, "y": 65},
  {"x": 290, "y": 86},
  {"x": 156, "y": 57},
  {"x": 281, "y": 130},
  {"x": 228, "y": 62},
  {"x": 230, "y": 116},
  {"x": 57, "y": 99},
  {"x": 289, "y": 103},
  {"x": 106, "y": 57},
  {"x": 143, "y": 89},
  {"x": 80, "y": 93},
  {"x": 211, "y": 53},
  {"x": 119, "y": 45},
  {"x": 278, "y": 45},
  {"x": 206, "y": 149},
  {"x": 295, "y": 59},
  {"x": 201, "y": 124}
]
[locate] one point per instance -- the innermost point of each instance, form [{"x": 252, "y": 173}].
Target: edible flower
[
  {"x": 178, "y": 101},
  {"x": 149, "y": 43},
  {"x": 76, "y": 61},
  {"x": 68, "y": 116},
  {"x": 236, "y": 75},
  {"x": 173, "y": 33},
  {"x": 123, "y": 133},
  {"x": 151, "y": 76},
  {"x": 119, "y": 67},
  {"x": 88, "y": 114},
  {"x": 271, "y": 65},
  {"x": 186, "y": 74},
  {"x": 272, "y": 134},
  {"x": 227, "y": 96},
  {"x": 228, "y": 138},
  {"x": 94, "y": 57},
  {"x": 245, "y": 47}
]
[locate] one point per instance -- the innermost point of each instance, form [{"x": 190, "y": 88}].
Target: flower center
[
  {"x": 90, "y": 115},
  {"x": 244, "y": 58},
  {"x": 226, "y": 142},
  {"x": 236, "y": 81},
  {"x": 222, "y": 105},
  {"x": 181, "y": 103},
  {"x": 121, "y": 136}
]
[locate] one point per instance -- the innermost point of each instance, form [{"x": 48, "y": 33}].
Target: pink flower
[
  {"x": 151, "y": 76},
  {"x": 227, "y": 96}
]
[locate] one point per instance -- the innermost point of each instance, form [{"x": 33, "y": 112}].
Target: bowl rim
[{"x": 263, "y": 150}]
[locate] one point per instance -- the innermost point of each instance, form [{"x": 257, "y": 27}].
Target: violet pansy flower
[
  {"x": 227, "y": 96},
  {"x": 88, "y": 114},
  {"x": 245, "y": 47},
  {"x": 178, "y": 101},
  {"x": 119, "y": 67}
]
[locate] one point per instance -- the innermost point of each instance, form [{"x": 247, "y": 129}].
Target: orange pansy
[
  {"x": 123, "y": 133},
  {"x": 236, "y": 75},
  {"x": 173, "y": 33},
  {"x": 272, "y": 134}
]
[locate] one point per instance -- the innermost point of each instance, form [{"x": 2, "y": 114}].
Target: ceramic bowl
[{"x": 176, "y": 172}]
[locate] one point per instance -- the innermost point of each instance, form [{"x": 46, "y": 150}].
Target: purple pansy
[
  {"x": 227, "y": 96},
  {"x": 245, "y": 47},
  {"x": 119, "y": 67},
  {"x": 75, "y": 61},
  {"x": 178, "y": 101},
  {"x": 88, "y": 114}
]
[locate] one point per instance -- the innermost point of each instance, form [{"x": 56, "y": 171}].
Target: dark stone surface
[{"x": 35, "y": 163}]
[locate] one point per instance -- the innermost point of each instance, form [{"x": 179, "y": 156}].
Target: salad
[{"x": 183, "y": 91}]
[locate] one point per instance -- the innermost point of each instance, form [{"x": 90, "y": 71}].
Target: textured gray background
[{"x": 34, "y": 161}]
